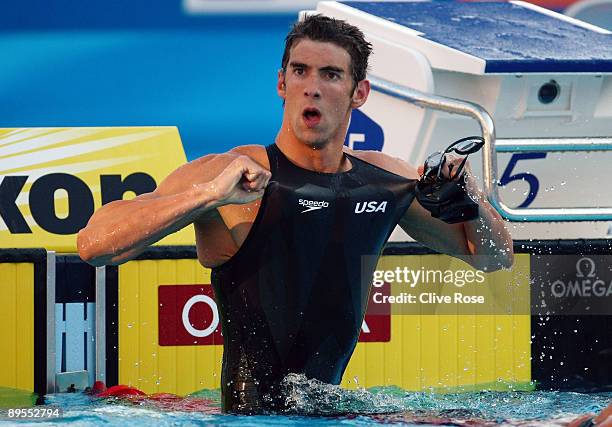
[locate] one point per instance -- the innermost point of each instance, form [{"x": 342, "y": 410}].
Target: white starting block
[{"x": 545, "y": 80}]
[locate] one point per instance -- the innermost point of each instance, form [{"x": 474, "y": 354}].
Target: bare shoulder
[
  {"x": 207, "y": 167},
  {"x": 256, "y": 152},
  {"x": 385, "y": 161}
]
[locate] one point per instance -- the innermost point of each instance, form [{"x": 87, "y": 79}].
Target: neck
[{"x": 327, "y": 157}]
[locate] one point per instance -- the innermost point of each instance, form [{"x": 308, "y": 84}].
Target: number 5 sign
[{"x": 508, "y": 176}]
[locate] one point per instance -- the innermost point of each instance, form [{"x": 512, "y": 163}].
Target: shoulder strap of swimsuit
[{"x": 274, "y": 158}]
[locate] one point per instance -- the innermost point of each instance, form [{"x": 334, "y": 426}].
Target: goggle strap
[{"x": 477, "y": 146}]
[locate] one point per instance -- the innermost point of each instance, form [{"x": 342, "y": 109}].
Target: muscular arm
[
  {"x": 484, "y": 243},
  {"x": 119, "y": 231}
]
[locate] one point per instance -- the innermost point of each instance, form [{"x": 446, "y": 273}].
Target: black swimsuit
[{"x": 292, "y": 299}]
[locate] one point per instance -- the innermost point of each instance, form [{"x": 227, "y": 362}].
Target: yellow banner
[{"x": 52, "y": 179}]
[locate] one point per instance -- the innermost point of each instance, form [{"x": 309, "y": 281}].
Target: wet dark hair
[{"x": 324, "y": 29}]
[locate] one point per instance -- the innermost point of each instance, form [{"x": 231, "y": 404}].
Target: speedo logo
[
  {"x": 312, "y": 205},
  {"x": 368, "y": 207}
]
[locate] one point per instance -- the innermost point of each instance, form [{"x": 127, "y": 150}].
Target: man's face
[{"x": 317, "y": 87}]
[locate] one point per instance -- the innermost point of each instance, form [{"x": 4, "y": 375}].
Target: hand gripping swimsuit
[{"x": 293, "y": 298}]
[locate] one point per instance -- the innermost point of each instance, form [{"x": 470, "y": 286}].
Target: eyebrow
[
  {"x": 326, "y": 68},
  {"x": 297, "y": 65},
  {"x": 332, "y": 68}
]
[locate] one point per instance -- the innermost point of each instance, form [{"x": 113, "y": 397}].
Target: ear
[
  {"x": 360, "y": 94},
  {"x": 280, "y": 85}
]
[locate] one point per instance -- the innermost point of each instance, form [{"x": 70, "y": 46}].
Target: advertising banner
[{"x": 52, "y": 179}]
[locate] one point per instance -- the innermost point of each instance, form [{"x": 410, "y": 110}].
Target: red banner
[
  {"x": 377, "y": 327},
  {"x": 188, "y": 315}
]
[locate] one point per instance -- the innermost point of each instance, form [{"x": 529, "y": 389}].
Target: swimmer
[{"x": 284, "y": 227}]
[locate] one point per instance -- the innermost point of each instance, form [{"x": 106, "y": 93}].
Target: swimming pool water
[{"x": 314, "y": 403}]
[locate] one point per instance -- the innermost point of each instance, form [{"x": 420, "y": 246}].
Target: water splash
[{"x": 313, "y": 397}]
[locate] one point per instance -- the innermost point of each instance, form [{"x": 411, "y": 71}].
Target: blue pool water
[{"x": 320, "y": 404}]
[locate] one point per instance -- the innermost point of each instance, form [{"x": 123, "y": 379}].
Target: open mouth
[{"x": 311, "y": 116}]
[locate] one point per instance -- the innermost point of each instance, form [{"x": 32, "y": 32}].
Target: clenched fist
[{"x": 242, "y": 181}]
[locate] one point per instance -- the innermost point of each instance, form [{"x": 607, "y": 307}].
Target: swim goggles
[
  {"x": 446, "y": 198},
  {"x": 432, "y": 169}
]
